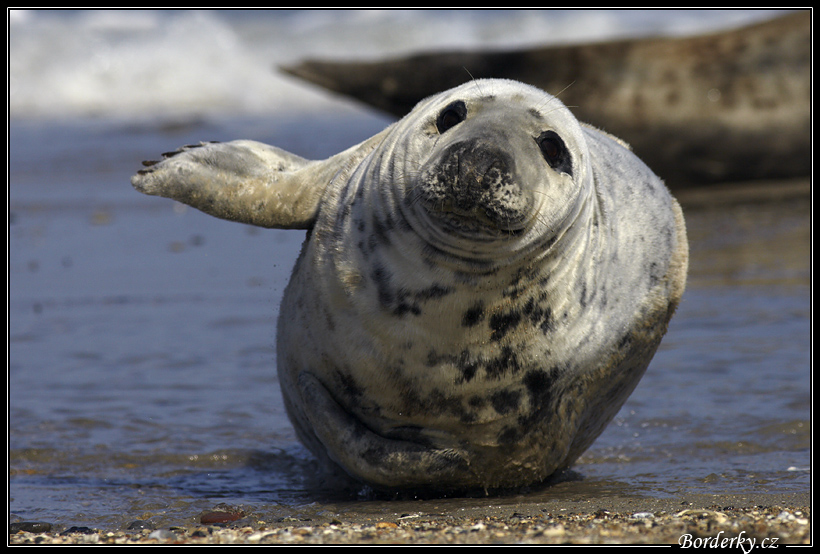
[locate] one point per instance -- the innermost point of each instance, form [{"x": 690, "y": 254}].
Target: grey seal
[{"x": 482, "y": 285}]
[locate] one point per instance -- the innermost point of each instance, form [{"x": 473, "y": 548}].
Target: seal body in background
[{"x": 482, "y": 284}]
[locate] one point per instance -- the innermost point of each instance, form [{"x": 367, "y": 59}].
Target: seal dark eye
[
  {"x": 555, "y": 151},
  {"x": 451, "y": 116}
]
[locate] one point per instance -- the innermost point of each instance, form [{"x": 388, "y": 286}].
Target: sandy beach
[{"x": 688, "y": 520}]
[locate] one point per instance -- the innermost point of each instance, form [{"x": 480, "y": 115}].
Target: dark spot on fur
[
  {"x": 463, "y": 362},
  {"x": 436, "y": 402},
  {"x": 477, "y": 402},
  {"x": 404, "y": 308},
  {"x": 521, "y": 283},
  {"x": 433, "y": 291},
  {"x": 503, "y": 323},
  {"x": 546, "y": 320},
  {"x": 505, "y": 401},
  {"x": 473, "y": 315},
  {"x": 466, "y": 366},
  {"x": 381, "y": 277},
  {"x": 362, "y": 249},
  {"x": 509, "y": 435},
  {"x": 538, "y": 316},
  {"x": 408, "y": 302},
  {"x": 539, "y": 384},
  {"x": 503, "y": 364},
  {"x": 381, "y": 232},
  {"x": 654, "y": 274},
  {"x": 348, "y": 386}
]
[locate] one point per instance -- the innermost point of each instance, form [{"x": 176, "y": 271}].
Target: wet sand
[{"x": 775, "y": 519}]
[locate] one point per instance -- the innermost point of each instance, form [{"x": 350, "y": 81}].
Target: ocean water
[{"x": 141, "y": 376}]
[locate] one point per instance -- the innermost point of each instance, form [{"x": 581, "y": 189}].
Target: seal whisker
[{"x": 560, "y": 92}]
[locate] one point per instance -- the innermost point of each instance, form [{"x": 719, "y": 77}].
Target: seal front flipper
[
  {"x": 242, "y": 181},
  {"x": 369, "y": 457},
  {"x": 247, "y": 181}
]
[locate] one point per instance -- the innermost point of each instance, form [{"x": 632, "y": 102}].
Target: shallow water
[{"x": 142, "y": 377}]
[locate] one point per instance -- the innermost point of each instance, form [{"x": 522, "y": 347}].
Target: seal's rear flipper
[{"x": 370, "y": 457}]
